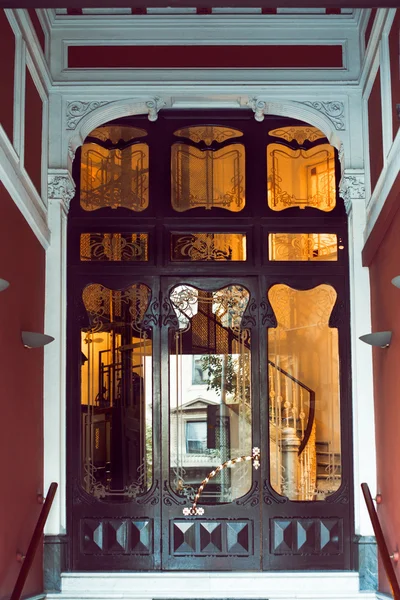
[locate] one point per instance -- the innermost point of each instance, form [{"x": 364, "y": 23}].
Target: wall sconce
[
  {"x": 32, "y": 339},
  {"x": 379, "y": 338},
  {"x": 396, "y": 281},
  {"x": 3, "y": 285}
]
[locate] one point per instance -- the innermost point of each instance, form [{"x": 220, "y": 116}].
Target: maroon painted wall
[
  {"x": 368, "y": 29},
  {"x": 394, "y": 49},
  {"x": 205, "y": 57},
  {"x": 37, "y": 27},
  {"x": 22, "y": 263},
  {"x": 33, "y": 132},
  {"x": 7, "y": 49},
  {"x": 375, "y": 131},
  {"x": 381, "y": 254}
]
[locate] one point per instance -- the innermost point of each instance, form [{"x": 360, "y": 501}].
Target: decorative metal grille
[
  {"x": 208, "y": 247},
  {"x": 114, "y": 178},
  {"x": 208, "y": 134},
  {"x": 207, "y": 179},
  {"x": 125, "y": 247},
  {"x": 303, "y": 246},
  {"x": 301, "y": 177},
  {"x": 299, "y": 134}
]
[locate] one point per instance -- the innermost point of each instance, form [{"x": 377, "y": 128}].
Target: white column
[
  {"x": 352, "y": 190},
  {"x": 60, "y": 193}
]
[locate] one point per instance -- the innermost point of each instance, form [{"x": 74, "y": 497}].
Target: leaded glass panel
[
  {"x": 301, "y": 177},
  {"x": 303, "y": 246},
  {"x": 116, "y": 393},
  {"x": 114, "y": 178},
  {"x": 208, "y": 247},
  {"x": 208, "y": 178},
  {"x": 304, "y": 399},
  {"x": 125, "y": 247},
  {"x": 210, "y": 419}
]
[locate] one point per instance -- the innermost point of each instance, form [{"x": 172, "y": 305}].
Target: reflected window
[
  {"x": 116, "y": 396},
  {"x": 196, "y": 437},
  {"x": 304, "y": 394},
  {"x": 302, "y": 178}
]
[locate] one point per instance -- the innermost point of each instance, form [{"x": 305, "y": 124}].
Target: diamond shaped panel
[
  {"x": 331, "y": 536},
  {"x": 210, "y": 537},
  {"x": 92, "y": 536},
  {"x": 115, "y": 534},
  {"x": 238, "y": 536},
  {"x": 306, "y": 542},
  {"x": 183, "y": 537},
  {"x": 282, "y": 535},
  {"x": 141, "y": 538}
]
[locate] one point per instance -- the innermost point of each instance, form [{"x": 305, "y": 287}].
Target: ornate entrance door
[{"x": 209, "y": 410}]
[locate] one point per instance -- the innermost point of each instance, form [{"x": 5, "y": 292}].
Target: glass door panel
[
  {"x": 116, "y": 394},
  {"x": 210, "y": 394}
]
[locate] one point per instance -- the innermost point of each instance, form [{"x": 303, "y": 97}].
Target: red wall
[
  {"x": 375, "y": 131},
  {"x": 33, "y": 132},
  {"x": 385, "y": 298},
  {"x": 22, "y": 263},
  {"x": 209, "y": 57},
  {"x": 394, "y": 49},
  {"x": 7, "y": 49}
]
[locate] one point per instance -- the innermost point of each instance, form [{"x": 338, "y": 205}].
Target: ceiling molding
[{"x": 197, "y": 3}]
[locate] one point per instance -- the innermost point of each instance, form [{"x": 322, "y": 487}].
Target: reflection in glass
[
  {"x": 126, "y": 247},
  {"x": 207, "y": 178},
  {"x": 210, "y": 396},
  {"x": 301, "y": 177},
  {"x": 302, "y": 246},
  {"x": 116, "y": 393},
  {"x": 304, "y": 401},
  {"x": 114, "y": 178},
  {"x": 208, "y": 246}
]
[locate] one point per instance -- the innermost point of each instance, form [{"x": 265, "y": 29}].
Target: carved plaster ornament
[
  {"x": 352, "y": 187},
  {"x": 76, "y": 110},
  {"x": 258, "y": 107},
  {"x": 154, "y": 106},
  {"x": 334, "y": 110},
  {"x": 60, "y": 187}
]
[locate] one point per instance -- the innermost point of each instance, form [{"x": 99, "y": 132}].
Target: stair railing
[
  {"x": 380, "y": 540},
  {"x": 34, "y": 543}
]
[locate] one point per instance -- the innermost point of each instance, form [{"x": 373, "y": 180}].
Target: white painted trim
[
  {"x": 22, "y": 191},
  {"x": 18, "y": 81},
  {"x": 383, "y": 186},
  {"x": 386, "y": 95},
  {"x": 304, "y": 585},
  {"x": 34, "y": 47}
]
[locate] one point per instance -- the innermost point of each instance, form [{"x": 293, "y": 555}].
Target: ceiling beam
[{"x": 198, "y": 3}]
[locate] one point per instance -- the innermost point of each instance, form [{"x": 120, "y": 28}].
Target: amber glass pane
[
  {"x": 126, "y": 247},
  {"x": 302, "y": 246},
  {"x": 207, "y": 179},
  {"x": 299, "y": 133},
  {"x": 117, "y": 133},
  {"x": 208, "y": 246},
  {"x": 114, "y": 178},
  {"x": 208, "y": 133},
  {"x": 116, "y": 397},
  {"x": 304, "y": 401},
  {"x": 210, "y": 395},
  {"x": 301, "y": 178}
]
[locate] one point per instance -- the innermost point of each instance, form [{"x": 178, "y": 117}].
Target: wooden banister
[
  {"x": 380, "y": 540},
  {"x": 34, "y": 543}
]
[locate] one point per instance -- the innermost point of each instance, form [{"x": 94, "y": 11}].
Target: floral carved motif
[
  {"x": 352, "y": 187},
  {"x": 333, "y": 110},
  {"x": 61, "y": 187},
  {"x": 76, "y": 110}
]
